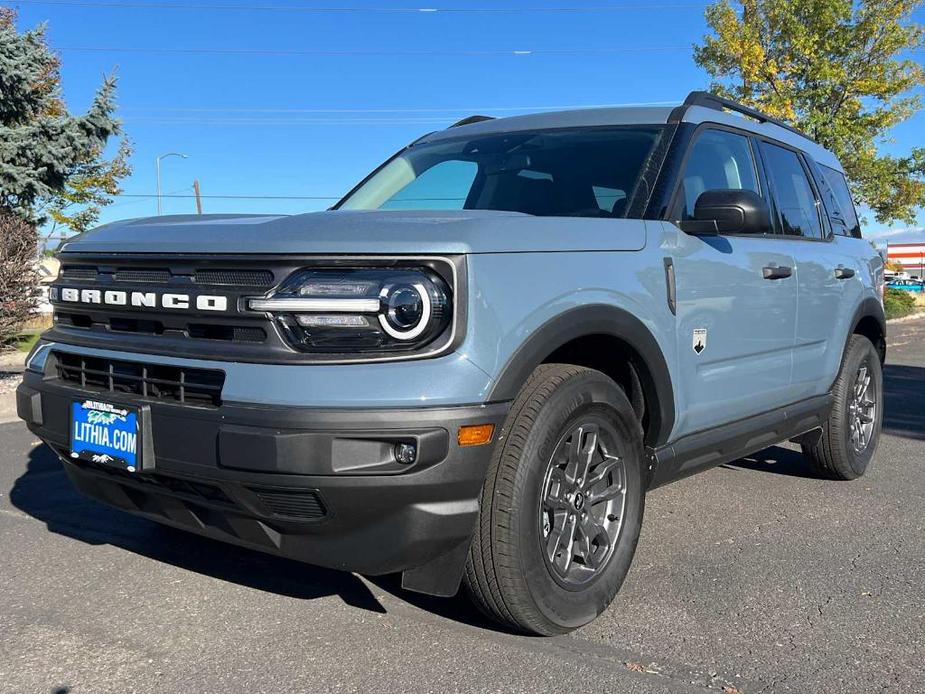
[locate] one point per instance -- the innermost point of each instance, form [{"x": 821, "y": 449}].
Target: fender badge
[{"x": 700, "y": 340}]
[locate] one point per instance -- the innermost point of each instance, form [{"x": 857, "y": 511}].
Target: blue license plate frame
[{"x": 107, "y": 433}]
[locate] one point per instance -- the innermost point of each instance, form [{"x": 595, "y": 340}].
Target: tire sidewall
[
  {"x": 862, "y": 351},
  {"x": 589, "y": 396}
]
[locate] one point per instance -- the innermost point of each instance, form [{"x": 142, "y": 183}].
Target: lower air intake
[{"x": 301, "y": 504}]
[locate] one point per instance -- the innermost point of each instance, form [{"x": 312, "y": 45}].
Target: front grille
[
  {"x": 142, "y": 275},
  {"x": 134, "y": 325},
  {"x": 304, "y": 504},
  {"x": 207, "y": 277},
  {"x": 145, "y": 326},
  {"x": 119, "y": 305},
  {"x": 234, "y": 278},
  {"x": 79, "y": 272},
  {"x": 157, "y": 381},
  {"x": 236, "y": 333}
]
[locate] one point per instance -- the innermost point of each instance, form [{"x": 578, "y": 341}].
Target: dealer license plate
[{"x": 105, "y": 433}]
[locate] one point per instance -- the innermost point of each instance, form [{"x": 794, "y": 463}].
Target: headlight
[{"x": 360, "y": 309}]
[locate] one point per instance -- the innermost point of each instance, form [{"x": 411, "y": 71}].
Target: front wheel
[
  {"x": 849, "y": 438},
  {"x": 562, "y": 504}
]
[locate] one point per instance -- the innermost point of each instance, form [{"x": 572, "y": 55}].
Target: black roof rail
[
  {"x": 719, "y": 103},
  {"x": 471, "y": 119}
]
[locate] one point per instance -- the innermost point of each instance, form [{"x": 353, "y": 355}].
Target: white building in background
[{"x": 910, "y": 255}]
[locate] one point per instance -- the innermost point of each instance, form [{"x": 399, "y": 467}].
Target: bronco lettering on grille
[{"x": 115, "y": 297}]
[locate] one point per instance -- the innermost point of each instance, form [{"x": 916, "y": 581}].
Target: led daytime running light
[{"x": 422, "y": 323}]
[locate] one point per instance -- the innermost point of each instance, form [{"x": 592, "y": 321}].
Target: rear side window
[
  {"x": 718, "y": 160},
  {"x": 796, "y": 201},
  {"x": 841, "y": 207}
]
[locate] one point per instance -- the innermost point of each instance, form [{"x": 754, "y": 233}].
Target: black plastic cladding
[
  {"x": 173, "y": 339},
  {"x": 610, "y": 321}
]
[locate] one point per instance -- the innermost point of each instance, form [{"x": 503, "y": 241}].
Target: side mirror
[{"x": 722, "y": 211}]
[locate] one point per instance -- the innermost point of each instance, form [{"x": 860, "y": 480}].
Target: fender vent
[{"x": 303, "y": 504}]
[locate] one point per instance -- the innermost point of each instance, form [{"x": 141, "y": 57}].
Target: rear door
[
  {"x": 828, "y": 273},
  {"x": 736, "y": 303}
]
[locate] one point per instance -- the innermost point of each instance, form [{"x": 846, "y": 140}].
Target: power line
[
  {"x": 233, "y": 197},
  {"x": 140, "y": 198},
  {"x": 413, "y": 109},
  {"x": 287, "y": 121},
  {"x": 371, "y": 52},
  {"x": 363, "y": 10},
  {"x": 274, "y": 117}
]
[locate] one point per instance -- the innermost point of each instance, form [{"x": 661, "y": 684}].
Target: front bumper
[{"x": 318, "y": 485}]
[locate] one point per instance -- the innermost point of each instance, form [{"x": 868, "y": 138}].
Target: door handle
[
  {"x": 775, "y": 272},
  {"x": 843, "y": 273}
]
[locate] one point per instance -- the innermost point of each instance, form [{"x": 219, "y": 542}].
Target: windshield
[{"x": 585, "y": 172}]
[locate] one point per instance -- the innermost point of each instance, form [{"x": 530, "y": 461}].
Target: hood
[{"x": 364, "y": 232}]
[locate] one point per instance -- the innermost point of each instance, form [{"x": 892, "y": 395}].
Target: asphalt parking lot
[{"x": 753, "y": 577}]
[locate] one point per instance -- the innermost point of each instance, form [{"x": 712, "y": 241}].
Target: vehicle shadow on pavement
[
  {"x": 45, "y": 493},
  {"x": 777, "y": 460},
  {"x": 903, "y": 415},
  {"x": 904, "y": 391},
  {"x": 458, "y": 608}
]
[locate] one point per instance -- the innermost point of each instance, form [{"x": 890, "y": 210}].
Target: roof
[
  {"x": 691, "y": 111},
  {"x": 576, "y": 118}
]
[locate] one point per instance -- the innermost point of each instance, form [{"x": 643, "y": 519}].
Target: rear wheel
[
  {"x": 562, "y": 505},
  {"x": 850, "y": 436}
]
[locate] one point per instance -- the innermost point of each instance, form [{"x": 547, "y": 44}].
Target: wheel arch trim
[
  {"x": 590, "y": 320},
  {"x": 869, "y": 308}
]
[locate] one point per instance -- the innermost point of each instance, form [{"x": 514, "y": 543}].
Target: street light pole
[{"x": 157, "y": 166}]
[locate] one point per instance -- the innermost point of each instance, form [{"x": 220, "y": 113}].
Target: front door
[{"x": 736, "y": 299}]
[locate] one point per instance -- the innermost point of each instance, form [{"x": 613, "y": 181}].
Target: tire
[
  {"x": 521, "y": 570},
  {"x": 838, "y": 453}
]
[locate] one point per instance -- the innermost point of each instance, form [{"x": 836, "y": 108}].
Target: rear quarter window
[{"x": 839, "y": 204}]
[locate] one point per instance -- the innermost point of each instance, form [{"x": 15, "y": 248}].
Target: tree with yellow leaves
[{"x": 841, "y": 71}]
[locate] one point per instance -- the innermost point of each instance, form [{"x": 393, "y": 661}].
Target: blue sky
[{"x": 320, "y": 98}]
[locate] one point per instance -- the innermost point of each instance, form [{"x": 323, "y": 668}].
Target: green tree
[
  {"x": 838, "y": 70},
  {"x": 43, "y": 150},
  {"x": 42, "y": 146},
  {"x": 90, "y": 188}
]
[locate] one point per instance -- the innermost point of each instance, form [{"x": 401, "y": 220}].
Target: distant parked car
[{"x": 907, "y": 285}]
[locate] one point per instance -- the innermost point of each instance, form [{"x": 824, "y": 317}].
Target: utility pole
[{"x": 198, "y": 197}]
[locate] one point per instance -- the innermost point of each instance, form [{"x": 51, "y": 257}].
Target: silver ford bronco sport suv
[{"x": 472, "y": 368}]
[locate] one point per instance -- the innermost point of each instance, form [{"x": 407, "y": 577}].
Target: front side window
[
  {"x": 580, "y": 172},
  {"x": 796, "y": 201},
  {"x": 718, "y": 160}
]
